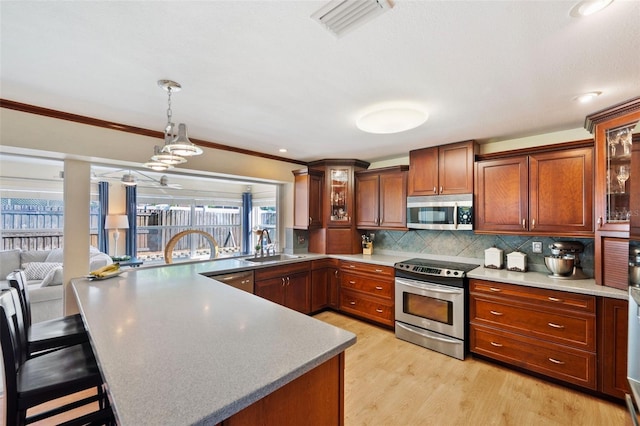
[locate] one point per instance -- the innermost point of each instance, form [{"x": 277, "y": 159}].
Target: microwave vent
[{"x": 342, "y": 16}]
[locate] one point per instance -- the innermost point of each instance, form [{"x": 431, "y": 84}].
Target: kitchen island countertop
[{"x": 176, "y": 347}]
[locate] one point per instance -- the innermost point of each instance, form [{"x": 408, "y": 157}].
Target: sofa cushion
[
  {"x": 28, "y": 256},
  {"x": 9, "y": 262},
  {"x": 54, "y": 277},
  {"x": 39, "y": 270},
  {"x": 55, "y": 255}
]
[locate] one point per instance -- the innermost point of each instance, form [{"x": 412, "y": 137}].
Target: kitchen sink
[{"x": 273, "y": 258}]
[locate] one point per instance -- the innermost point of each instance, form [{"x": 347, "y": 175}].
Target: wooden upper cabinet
[
  {"x": 381, "y": 198},
  {"x": 561, "y": 192},
  {"x": 550, "y": 193},
  {"x": 502, "y": 198},
  {"x": 442, "y": 170},
  {"x": 307, "y": 199}
]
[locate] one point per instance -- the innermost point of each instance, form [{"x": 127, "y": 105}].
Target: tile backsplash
[{"x": 461, "y": 244}]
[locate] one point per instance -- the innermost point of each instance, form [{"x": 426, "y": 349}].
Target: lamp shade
[{"x": 116, "y": 221}]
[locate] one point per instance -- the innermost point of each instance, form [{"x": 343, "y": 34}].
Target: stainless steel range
[{"x": 431, "y": 304}]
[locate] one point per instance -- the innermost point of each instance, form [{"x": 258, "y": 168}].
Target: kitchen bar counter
[{"x": 176, "y": 347}]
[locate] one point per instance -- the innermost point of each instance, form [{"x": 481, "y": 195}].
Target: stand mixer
[{"x": 564, "y": 262}]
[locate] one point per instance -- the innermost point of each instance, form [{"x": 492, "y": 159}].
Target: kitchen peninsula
[{"x": 176, "y": 347}]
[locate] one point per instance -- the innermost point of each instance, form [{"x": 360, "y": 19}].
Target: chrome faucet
[{"x": 262, "y": 243}]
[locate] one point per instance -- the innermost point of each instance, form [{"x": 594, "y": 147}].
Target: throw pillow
[
  {"x": 55, "y": 255},
  {"x": 39, "y": 270},
  {"x": 54, "y": 277}
]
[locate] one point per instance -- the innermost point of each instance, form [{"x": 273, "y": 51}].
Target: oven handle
[
  {"x": 428, "y": 336},
  {"x": 428, "y": 287}
]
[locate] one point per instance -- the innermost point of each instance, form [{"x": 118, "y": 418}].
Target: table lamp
[{"x": 117, "y": 222}]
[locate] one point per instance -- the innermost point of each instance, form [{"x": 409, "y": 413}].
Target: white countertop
[
  {"x": 176, "y": 347},
  {"x": 542, "y": 280}
]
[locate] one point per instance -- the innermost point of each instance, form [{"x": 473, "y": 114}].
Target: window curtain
[
  {"x": 246, "y": 222},
  {"x": 132, "y": 233},
  {"x": 103, "y": 199}
]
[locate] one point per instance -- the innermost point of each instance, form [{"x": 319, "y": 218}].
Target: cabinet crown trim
[{"x": 618, "y": 110}]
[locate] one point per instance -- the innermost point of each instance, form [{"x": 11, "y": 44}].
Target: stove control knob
[{"x": 456, "y": 273}]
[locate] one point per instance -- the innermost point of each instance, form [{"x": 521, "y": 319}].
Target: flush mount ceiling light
[
  {"x": 587, "y": 97},
  {"x": 342, "y": 16},
  {"x": 391, "y": 119},
  {"x": 588, "y": 7}
]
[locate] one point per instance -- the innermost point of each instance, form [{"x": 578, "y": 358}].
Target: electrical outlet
[{"x": 537, "y": 246}]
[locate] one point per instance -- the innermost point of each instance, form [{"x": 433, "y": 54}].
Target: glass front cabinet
[
  {"x": 340, "y": 202},
  {"x": 612, "y": 130}
]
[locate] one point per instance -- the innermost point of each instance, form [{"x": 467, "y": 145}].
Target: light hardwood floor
[{"x": 392, "y": 382}]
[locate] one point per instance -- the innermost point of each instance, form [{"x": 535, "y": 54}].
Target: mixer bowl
[{"x": 560, "y": 266}]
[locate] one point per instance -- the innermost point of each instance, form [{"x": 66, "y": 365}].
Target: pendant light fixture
[{"x": 176, "y": 144}]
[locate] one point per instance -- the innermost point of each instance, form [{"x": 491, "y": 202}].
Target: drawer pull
[
  {"x": 555, "y": 325},
  {"x": 378, "y": 310},
  {"x": 379, "y": 271},
  {"x": 496, "y": 313},
  {"x": 351, "y": 282},
  {"x": 554, "y": 299},
  {"x": 378, "y": 287},
  {"x": 555, "y": 361},
  {"x": 352, "y": 302},
  {"x": 352, "y": 266},
  {"x": 498, "y": 290},
  {"x": 497, "y": 345}
]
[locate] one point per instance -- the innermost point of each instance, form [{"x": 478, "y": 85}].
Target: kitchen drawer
[
  {"x": 574, "y": 329},
  {"x": 557, "y": 361},
  {"x": 375, "y": 309},
  {"x": 374, "y": 287},
  {"x": 367, "y": 268},
  {"x": 542, "y": 297}
]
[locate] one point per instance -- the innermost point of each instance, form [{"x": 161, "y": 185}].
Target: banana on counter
[{"x": 106, "y": 270}]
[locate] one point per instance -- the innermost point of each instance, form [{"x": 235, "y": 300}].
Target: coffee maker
[{"x": 564, "y": 262}]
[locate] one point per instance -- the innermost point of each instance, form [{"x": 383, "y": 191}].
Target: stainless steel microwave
[{"x": 443, "y": 212}]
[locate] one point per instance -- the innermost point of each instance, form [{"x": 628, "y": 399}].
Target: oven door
[{"x": 430, "y": 306}]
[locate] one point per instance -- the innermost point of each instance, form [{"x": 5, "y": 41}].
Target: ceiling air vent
[{"x": 342, "y": 16}]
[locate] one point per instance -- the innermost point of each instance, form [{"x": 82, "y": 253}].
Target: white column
[{"x": 77, "y": 197}]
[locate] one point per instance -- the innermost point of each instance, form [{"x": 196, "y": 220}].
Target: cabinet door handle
[
  {"x": 282, "y": 278},
  {"x": 310, "y": 220},
  {"x": 555, "y": 325},
  {"x": 497, "y": 345},
  {"x": 600, "y": 221},
  {"x": 554, "y": 299},
  {"x": 336, "y": 273},
  {"x": 555, "y": 361},
  {"x": 533, "y": 224},
  {"x": 378, "y": 287},
  {"x": 498, "y": 290},
  {"x": 435, "y": 190},
  {"x": 378, "y": 310},
  {"x": 441, "y": 190},
  {"x": 524, "y": 223},
  {"x": 288, "y": 280},
  {"x": 496, "y": 313}
]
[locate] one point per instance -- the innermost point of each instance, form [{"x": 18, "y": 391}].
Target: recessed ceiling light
[
  {"x": 588, "y": 7},
  {"x": 283, "y": 150},
  {"x": 587, "y": 97},
  {"x": 391, "y": 119}
]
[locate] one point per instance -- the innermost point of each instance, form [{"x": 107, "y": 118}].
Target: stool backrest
[
  {"x": 18, "y": 280},
  {"x": 13, "y": 346}
]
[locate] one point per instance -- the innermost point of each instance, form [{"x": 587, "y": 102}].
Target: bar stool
[
  {"x": 46, "y": 335},
  {"x": 31, "y": 382}
]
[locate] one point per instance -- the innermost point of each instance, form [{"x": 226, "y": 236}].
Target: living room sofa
[{"x": 43, "y": 269}]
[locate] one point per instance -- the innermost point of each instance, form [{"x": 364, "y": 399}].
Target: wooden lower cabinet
[
  {"x": 324, "y": 284},
  {"x": 315, "y": 398},
  {"x": 545, "y": 331},
  {"x": 613, "y": 343},
  {"x": 367, "y": 291},
  {"x": 288, "y": 285}
]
